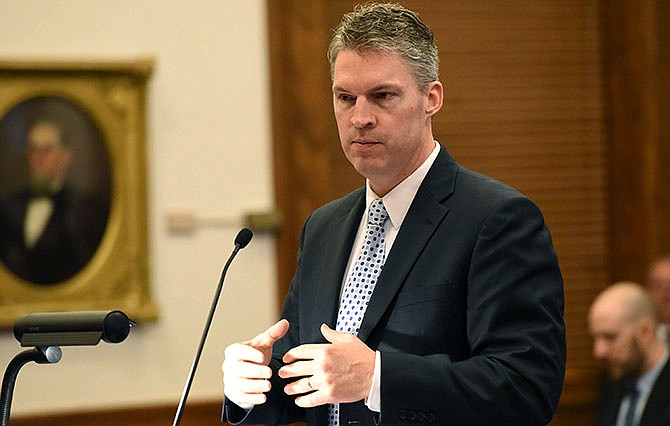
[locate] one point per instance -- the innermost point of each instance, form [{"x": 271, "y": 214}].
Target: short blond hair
[{"x": 388, "y": 28}]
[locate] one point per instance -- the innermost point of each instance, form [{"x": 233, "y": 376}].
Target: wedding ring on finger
[{"x": 309, "y": 384}]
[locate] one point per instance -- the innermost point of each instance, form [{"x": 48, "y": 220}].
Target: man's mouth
[{"x": 364, "y": 142}]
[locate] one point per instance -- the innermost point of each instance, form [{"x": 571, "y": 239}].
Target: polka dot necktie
[{"x": 361, "y": 282}]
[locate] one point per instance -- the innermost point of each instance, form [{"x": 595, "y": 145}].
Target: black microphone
[
  {"x": 241, "y": 240},
  {"x": 72, "y": 328}
]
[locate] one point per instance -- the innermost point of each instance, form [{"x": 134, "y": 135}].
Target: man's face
[
  {"x": 382, "y": 117},
  {"x": 48, "y": 159},
  {"x": 658, "y": 283},
  {"x": 615, "y": 342}
]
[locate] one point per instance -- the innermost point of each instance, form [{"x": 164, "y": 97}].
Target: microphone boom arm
[
  {"x": 242, "y": 239},
  {"x": 41, "y": 355}
]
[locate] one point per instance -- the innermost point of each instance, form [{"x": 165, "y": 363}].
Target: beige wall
[{"x": 209, "y": 152}]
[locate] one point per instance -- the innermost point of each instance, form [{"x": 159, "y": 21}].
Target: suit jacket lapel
[
  {"x": 336, "y": 255},
  {"x": 659, "y": 398},
  {"x": 423, "y": 217},
  {"x": 611, "y": 411}
]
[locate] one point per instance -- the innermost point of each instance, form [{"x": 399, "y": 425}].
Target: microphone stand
[
  {"x": 41, "y": 355},
  {"x": 240, "y": 242}
]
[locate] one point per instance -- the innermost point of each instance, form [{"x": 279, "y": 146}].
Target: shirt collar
[
  {"x": 647, "y": 380},
  {"x": 399, "y": 199}
]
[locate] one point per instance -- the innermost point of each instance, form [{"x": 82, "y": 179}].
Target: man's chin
[
  {"x": 623, "y": 373},
  {"x": 368, "y": 167},
  {"x": 41, "y": 184},
  {"x": 616, "y": 372}
]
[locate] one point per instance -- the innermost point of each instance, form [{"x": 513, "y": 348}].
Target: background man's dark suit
[
  {"x": 467, "y": 312},
  {"x": 656, "y": 412},
  {"x": 69, "y": 240}
]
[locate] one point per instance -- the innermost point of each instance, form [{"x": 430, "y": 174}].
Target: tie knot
[{"x": 378, "y": 214}]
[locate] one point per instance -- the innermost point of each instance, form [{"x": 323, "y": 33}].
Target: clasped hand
[{"x": 338, "y": 371}]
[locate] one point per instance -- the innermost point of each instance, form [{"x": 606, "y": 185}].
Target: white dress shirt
[{"x": 37, "y": 216}]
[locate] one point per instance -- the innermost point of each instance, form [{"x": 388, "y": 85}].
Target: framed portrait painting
[{"x": 73, "y": 201}]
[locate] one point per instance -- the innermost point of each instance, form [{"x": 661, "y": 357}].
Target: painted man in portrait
[{"x": 49, "y": 231}]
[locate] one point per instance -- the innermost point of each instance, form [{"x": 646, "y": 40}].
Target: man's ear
[
  {"x": 646, "y": 329},
  {"x": 435, "y": 98}
]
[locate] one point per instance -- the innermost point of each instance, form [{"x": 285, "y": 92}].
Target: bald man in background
[{"x": 622, "y": 321}]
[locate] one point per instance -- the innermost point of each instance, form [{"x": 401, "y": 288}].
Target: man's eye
[
  {"x": 345, "y": 98},
  {"x": 383, "y": 95},
  {"x": 609, "y": 337}
]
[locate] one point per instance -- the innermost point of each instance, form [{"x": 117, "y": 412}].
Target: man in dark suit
[
  {"x": 622, "y": 321},
  {"x": 658, "y": 285},
  {"x": 463, "y": 323},
  {"x": 48, "y": 231}
]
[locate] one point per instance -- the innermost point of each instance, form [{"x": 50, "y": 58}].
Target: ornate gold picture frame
[{"x": 78, "y": 242}]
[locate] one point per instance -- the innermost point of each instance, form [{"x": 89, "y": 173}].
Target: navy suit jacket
[
  {"x": 655, "y": 413},
  {"x": 467, "y": 312}
]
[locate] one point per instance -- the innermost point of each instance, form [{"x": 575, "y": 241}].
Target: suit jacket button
[
  {"x": 422, "y": 416},
  {"x": 430, "y": 417},
  {"x": 402, "y": 415},
  {"x": 411, "y": 415}
]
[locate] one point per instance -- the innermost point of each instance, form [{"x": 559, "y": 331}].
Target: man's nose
[
  {"x": 600, "y": 349},
  {"x": 363, "y": 116}
]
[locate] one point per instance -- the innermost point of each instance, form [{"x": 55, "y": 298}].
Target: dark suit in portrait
[
  {"x": 71, "y": 235},
  {"x": 467, "y": 312},
  {"x": 655, "y": 412}
]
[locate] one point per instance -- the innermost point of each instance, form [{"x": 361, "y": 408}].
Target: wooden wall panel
[
  {"x": 524, "y": 104},
  {"x": 638, "y": 81},
  {"x": 197, "y": 414},
  {"x": 663, "y": 153},
  {"x": 303, "y": 127},
  {"x": 631, "y": 66}
]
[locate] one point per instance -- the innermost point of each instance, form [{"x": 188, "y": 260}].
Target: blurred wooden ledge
[{"x": 195, "y": 414}]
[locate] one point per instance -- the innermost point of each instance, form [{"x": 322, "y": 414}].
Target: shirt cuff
[
  {"x": 374, "y": 399},
  {"x": 246, "y": 407}
]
